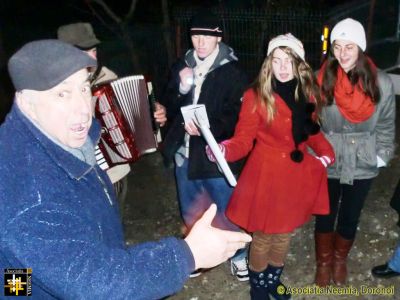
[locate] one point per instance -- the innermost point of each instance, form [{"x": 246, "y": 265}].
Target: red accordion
[{"x": 123, "y": 109}]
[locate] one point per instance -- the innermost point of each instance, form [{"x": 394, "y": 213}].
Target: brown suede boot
[
  {"x": 323, "y": 257},
  {"x": 341, "y": 250}
]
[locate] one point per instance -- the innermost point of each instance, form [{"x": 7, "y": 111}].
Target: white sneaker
[
  {"x": 240, "y": 269},
  {"x": 195, "y": 273}
]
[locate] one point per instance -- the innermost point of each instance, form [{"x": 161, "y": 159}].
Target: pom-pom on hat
[
  {"x": 288, "y": 40},
  {"x": 205, "y": 23},
  {"x": 350, "y": 30},
  {"x": 80, "y": 35},
  {"x": 42, "y": 64}
]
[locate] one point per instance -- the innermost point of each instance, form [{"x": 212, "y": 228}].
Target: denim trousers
[
  {"x": 394, "y": 262},
  {"x": 196, "y": 196}
]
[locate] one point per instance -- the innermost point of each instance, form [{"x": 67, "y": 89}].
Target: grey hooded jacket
[{"x": 357, "y": 145}]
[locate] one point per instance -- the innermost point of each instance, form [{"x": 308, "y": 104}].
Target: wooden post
[
  {"x": 370, "y": 21},
  {"x": 178, "y": 39}
]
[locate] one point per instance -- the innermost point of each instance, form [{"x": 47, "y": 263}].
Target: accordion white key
[{"x": 123, "y": 109}]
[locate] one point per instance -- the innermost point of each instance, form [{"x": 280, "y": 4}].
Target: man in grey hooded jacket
[{"x": 208, "y": 74}]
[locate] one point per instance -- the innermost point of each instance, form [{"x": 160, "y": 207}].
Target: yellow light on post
[
  {"x": 324, "y": 38},
  {"x": 324, "y": 47}
]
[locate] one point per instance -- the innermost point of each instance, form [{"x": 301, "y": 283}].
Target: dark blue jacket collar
[{"x": 73, "y": 166}]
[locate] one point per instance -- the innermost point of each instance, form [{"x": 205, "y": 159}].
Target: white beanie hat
[
  {"x": 350, "y": 30},
  {"x": 288, "y": 40}
]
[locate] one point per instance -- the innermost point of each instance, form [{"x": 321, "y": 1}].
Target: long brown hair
[
  {"x": 363, "y": 72},
  {"x": 307, "y": 83}
]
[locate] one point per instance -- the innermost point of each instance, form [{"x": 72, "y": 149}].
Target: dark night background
[{"x": 22, "y": 21}]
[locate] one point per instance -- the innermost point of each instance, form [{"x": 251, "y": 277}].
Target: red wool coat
[{"x": 275, "y": 194}]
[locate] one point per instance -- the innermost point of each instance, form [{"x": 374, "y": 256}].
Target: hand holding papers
[
  {"x": 210, "y": 154},
  {"x": 188, "y": 114},
  {"x": 223, "y": 165}
]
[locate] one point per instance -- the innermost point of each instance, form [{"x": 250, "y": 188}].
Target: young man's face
[
  {"x": 64, "y": 111},
  {"x": 204, "y": 45}
]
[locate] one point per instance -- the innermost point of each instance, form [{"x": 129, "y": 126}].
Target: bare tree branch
[
  {"x": 121, "y": 29},
  {"x": 131, "y": 10},
  {"x": 108, "y": 10},
  {"x": 101, "y": 19}
]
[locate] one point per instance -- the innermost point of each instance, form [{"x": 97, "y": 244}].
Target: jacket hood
[{"x": 224, "y": 56}]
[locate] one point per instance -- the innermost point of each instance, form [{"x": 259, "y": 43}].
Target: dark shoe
[
  {"x": 258, "y": 286},
  {"x": 275, "y": 287},
  {"x": 341, "y": 251},
  {"x": 323, "y": 257},
  {"x": 384, "y": 271}
]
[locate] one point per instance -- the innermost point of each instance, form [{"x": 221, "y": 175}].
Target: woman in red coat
[{"x": 282, "y": 185}]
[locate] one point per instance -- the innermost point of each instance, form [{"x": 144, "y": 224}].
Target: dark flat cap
[
  {"x": 41, "y": 65},
  {"x": 205, "y": 23},
  {"x": 79, "y": 34}
]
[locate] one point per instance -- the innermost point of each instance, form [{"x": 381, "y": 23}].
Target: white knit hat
[
  {"x": 288, "y": 40},
  {"x": 350, "y": 30}
]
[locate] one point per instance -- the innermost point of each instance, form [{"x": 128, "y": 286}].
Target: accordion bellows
[{"x": 123, "y": 109}]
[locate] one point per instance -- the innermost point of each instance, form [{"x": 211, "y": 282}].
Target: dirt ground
[{"x": 151, "y": 212}]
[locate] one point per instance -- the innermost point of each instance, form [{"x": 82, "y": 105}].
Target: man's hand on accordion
[{"x": 160, "y": 114}]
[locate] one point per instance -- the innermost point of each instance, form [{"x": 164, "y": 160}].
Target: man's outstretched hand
[{"x": 212, "y": 246}]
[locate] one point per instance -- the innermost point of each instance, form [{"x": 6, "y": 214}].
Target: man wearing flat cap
[
  {"x": 82, "y": 36},
  {"x": 59, "y": 216},
  {"x": 208, "y": 74}
]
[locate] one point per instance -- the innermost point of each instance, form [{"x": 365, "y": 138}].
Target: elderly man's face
[{"x": 64, "y": 112}]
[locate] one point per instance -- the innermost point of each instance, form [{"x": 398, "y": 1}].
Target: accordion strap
[{"x": 96, "y": 73}]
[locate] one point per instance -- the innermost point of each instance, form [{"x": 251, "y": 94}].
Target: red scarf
[{"x": 352, "y": 102}]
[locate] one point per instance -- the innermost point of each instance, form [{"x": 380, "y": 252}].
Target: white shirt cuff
[
  {"x": 380, "y": 163},
  {"x": 183, "y": 90}
]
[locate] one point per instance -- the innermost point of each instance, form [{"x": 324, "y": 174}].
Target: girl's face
[
  {"x": 346, "y": 52},
  {"x": 282, "y": 65}
]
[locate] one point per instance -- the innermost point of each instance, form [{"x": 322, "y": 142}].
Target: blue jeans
[
  {"x": 196, "y": 196},
  {"x": 394, "y": 262}
]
